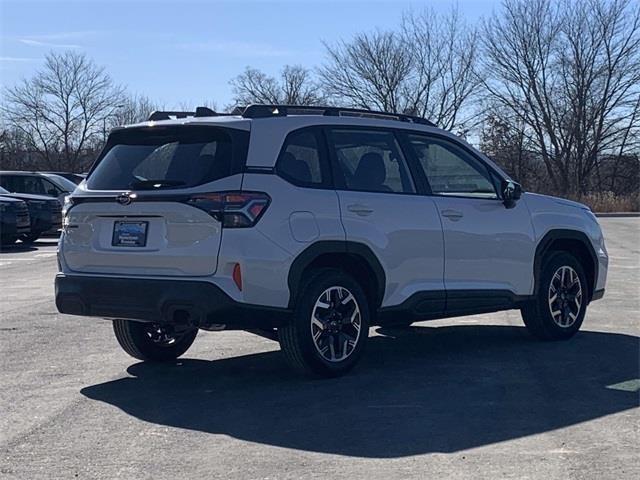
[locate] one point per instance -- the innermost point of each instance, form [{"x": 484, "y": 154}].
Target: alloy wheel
[
  {"x": 336, "y": 324},
  {"x": 164, "y": 335},
  {"x": 565, "y": 296}
]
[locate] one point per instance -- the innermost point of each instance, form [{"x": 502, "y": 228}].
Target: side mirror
[{"x": 511, "y": 192}]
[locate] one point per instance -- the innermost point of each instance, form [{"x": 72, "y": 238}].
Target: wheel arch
[
  {"x": 354, "y": 258},
  {"x": 574, "y": 242}
]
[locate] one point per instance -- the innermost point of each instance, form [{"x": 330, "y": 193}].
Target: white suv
[{"x": 308, "y": 225}]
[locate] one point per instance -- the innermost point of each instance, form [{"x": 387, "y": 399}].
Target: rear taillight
[
  {"x": 68, "y": 203},
  {"x": 232, "y": 209}
]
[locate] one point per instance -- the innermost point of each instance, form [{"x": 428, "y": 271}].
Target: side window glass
[
  {"x": 15, "y": 184},
  {"x": 50, "y": 189},
  {"x": 34, "y": 185},
  {"x": 450, "y": 170},
  {"x": 299, "y": 161},
  {"x": 7, "y": 183},
  {"x": 371, "y": 161}
]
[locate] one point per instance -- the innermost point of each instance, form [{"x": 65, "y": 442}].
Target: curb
[{"x": 618, "y": 214}]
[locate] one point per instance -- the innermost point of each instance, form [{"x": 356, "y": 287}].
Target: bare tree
[
  {"x": 13, "y": 152},
  {"x": 295, "y": 86},
  {"x": 506, "y": 140},
  {"x": 62, "y": 109},
  {"x": 570, "y": 72},
  {"x": 133, "y": 109},
  {"x": 426, "y": 68},
  {"x": 444, "y": 54},
  {"x": 371, "y": 71},
  {"x": 190, "y": 106}
]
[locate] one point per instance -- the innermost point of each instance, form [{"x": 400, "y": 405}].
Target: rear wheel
[
  {"x": 29, "y": 238},
  {"x": 152, "y": 341},
  {"x": 330, "y": 325},
  {"x": 561, "y": 302}
]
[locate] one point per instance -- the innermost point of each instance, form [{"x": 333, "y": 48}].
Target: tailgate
[{"x": 147, "y": 238}]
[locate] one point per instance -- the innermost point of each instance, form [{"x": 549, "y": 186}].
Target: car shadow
[
  {"x": 49, "y": 242},
  {"x": 416, "y": 391},
  {"x": 17, "y": 248}
]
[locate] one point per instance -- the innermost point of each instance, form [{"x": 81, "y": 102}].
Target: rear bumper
[{"x": 199, "y": 303}]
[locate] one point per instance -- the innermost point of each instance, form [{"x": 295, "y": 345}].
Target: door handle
[
  {"x": 453, "y": 215},
  {"x": 360, "y": 209}
]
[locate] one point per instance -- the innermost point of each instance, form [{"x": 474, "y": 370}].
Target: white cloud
[
  {"x": 38, "y": 43},
  {"x": 55, "y": 40},
  {"x": 17, "y": 59}
]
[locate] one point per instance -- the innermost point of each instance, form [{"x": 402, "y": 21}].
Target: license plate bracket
[{"x": 129, "y": 234}]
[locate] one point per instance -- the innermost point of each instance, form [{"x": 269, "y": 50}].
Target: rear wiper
[{"x": 152, "y": 184}]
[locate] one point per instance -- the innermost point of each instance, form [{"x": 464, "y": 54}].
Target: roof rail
[
  {"x": 166, "y": 115},
  {"x": 274, "y": 110}
]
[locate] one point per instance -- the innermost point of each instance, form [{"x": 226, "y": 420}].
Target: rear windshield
[{"x": 153, "y": 158}]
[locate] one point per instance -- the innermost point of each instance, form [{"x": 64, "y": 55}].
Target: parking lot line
[{"x": 628, "y": 386}]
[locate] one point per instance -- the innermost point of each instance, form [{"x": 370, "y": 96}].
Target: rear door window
[
  {"x": 370, "y": 161},
  {"x": 152, "y": 158},
  {"x": 35, "y": 185}
]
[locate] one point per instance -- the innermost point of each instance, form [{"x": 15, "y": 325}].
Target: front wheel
[
  {"x": 560, "y": 305},
  {"x": 330, "y": 325},
  {"x": 153, "y": 342},
  {"x": 7, "y": 241}
]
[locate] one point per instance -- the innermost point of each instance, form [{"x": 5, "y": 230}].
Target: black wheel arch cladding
[
  {"x": 328, "y": 253},
  {"x": 555, "y": 238}
]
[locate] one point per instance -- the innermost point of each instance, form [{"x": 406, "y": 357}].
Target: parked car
[
  {"x": 76, "y": 178},
  {"x": 45, "y": 214},
  {"x": 37, "y": 183},
  {"x": 14, "y": 220},
  {"x": 308, "y": 225}
]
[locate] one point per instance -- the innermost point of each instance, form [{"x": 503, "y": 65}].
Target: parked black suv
[
  {"x": 76, "y": 178},
  {"x": 14, "y": 220},
  {"x": 37, "y": 183},
  {"x": 45, "y": 213}
]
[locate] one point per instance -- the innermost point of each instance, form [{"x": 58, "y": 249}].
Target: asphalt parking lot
[{"x": 471, "y": 397}]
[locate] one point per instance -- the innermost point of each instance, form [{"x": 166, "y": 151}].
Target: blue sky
[{"x": 187, "y": 51}]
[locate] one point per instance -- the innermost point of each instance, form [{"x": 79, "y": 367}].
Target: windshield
[{"x": 168, "y": 157}]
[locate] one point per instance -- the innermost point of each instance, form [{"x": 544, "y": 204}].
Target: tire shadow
[
  {"x": 415, "y": 391},
  {"x": 17, "y": 248}
]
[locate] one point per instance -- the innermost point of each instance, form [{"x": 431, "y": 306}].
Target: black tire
[
  {"x": 8, "y": 241},
  {"x": 297, "y": 340},
  {"x": 399, "y": 324},
  {"x": 29, "y": 238},
  {"x": 135, "y": 338},
  {"x": 537, "y": 314}
]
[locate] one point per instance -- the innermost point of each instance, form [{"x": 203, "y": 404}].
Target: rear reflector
[{"x": 237, "y": 276}]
